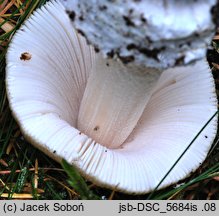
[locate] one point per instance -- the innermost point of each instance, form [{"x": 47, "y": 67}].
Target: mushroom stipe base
[{"x": 46, "y": 87}]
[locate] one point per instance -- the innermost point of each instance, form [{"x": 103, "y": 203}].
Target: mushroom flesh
[{"x": 122, "y": 127}]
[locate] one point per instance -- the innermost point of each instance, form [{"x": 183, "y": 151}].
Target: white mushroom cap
[
  {"x": 48, "y": 65},
  {"x": 155, "y": 33}
]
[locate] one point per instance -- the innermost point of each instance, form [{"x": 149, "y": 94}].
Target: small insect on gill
[{"x": 25, "y": 56}]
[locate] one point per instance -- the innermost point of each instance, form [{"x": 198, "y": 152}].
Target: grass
[{"x": 26, "y": 173}]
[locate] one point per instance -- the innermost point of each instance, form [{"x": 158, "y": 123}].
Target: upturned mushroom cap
[
  {"x": 48, "y": 66},
  {"x": 155, "y": 33}
]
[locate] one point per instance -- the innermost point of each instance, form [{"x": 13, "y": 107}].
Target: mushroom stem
[{"x": 114, "y": 100}]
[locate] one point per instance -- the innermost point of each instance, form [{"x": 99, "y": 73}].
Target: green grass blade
[
  {"x": 152, "y": 193},
  {"x": 77, "y": 182}
]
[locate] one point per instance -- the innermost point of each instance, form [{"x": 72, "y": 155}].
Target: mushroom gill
[{"x": 54, "y": 93}]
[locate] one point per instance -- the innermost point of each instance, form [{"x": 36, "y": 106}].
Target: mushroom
[
  {"x": 155, "y": 33},
  {"x": 122, "y": 126}
]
